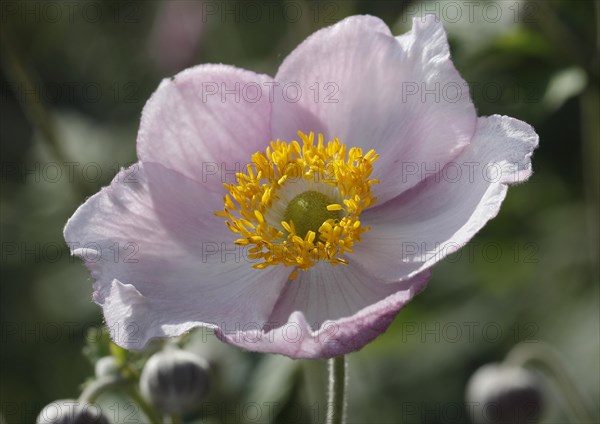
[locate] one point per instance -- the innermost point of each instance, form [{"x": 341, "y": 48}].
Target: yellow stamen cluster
[{"x": 252, "y": 204}]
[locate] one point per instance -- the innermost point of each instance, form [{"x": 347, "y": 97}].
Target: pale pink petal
[
  {"x": 162, "y": 259},
  {"x": 206, "y": 122},
  {"x": 225, "y": 297},
  {"x": 441, "y": 214},
  {"x": 380, "y": 101},
  {"x": 163, "y": 263},
  {"x": 328, "y": 311},
  {"x": 115, "y": 230}
]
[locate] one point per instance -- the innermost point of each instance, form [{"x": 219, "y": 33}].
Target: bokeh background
[{"x": 75, "y": 76}]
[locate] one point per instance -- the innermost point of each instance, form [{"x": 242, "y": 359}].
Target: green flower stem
[
  {"x": 92, "y": 392},
  {"x": 150, "y": 413},
  {"x": 555, "y": 366},
  {"x": 336, "y": 400}
]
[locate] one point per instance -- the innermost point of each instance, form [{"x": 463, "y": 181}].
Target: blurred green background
[{"x": 75, "y": 76}]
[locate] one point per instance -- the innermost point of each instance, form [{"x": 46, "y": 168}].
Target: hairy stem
[{"x": 336, "y": 401}]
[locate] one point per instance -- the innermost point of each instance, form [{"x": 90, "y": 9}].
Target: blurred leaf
[
  {"x": 564, "y": 85},
  {"x": 97, "y": 344},
  {"x": 273, "y": 381},
  {"x": 521, "y": 41}
]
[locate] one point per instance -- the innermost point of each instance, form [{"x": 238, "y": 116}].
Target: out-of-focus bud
[
  {"x": 504, "y": 394},
  {"x": 177, "y": 34},
  {"x": 105, "y": 367},
  {"x": 71, "y": 411},
  {"x": 175, "y": 381}
]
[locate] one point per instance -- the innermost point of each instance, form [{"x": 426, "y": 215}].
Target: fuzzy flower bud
[
  {"x": 502, "y": 394},
  {"x": 71, "y": 411},
  {"x": 175, "y": 381},
  {"x": 106, "y": 366}
]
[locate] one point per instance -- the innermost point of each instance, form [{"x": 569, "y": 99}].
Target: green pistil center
[{"x": 308, "y": 211}]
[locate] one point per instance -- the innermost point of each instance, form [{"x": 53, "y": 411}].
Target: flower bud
[
  {"x": 71, "y": 411},
  {"x": 504, "y": 394},
  {"x": 175, "y": 381},
  {"x": 106, "y": 366}
]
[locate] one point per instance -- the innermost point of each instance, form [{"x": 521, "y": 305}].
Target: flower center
[
  {"x": 298, "y": 205},
  {"x": 308, "y": 211}
]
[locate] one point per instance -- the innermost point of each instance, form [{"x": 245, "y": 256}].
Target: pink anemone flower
[{"x": 298, "y": 214}]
